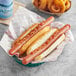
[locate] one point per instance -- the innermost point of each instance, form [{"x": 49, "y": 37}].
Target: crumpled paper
[{"x": 21, "y": 21}]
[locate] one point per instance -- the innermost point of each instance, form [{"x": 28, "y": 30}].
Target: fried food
[
  {"x": 54, "y": 6},
  {"x": 59, "y": 5},
  {"x": 42, "y": 4},
  {"x": 67, "y": 5}
]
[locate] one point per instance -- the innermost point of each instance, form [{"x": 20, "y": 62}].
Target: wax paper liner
[{"x": 21, "y": 21}]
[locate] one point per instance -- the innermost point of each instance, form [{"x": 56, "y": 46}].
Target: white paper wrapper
[{"x": 20, "y": 22}]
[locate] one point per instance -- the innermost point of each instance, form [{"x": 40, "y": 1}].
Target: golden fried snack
[
  {"x": 54, "y": 9},
  {"x": 50, "y": 2},
  {"x": 42, "y": 4},
  {"x": 67, "y": 5},
  {"x": 54, "y": 6},
  {"x": 60, "y": 5},
  {"x": 64, "y": 1}
]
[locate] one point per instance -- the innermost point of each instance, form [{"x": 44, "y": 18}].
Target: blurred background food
[
  {"x": 53, "y": 6},
  {"x": 6, "y": 9}
]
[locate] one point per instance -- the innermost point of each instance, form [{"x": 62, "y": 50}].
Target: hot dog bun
[
  {"x": 34, "y": 38},
  {"x": 51, "y": 48},
  {"x": 40, "y": 41}
]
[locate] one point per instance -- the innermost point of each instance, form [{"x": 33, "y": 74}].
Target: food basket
[{"x": 28, "y": 65}]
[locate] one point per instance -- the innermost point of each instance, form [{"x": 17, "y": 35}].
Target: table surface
[{"x": 64, "y": 66}]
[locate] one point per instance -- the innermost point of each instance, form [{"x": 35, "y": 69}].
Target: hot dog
[
  {"x": 27, "y": 35},
  {"x": 51, "y": 48},
  {"x": 27, "y": 59},
  {"x": 26, "y": 45},
  {"x": 24, "y": 34},
  {"x": 40, "y": 41}
]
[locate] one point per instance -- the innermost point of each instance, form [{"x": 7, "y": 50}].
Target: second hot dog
[{"x": 46, "y": 44}]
